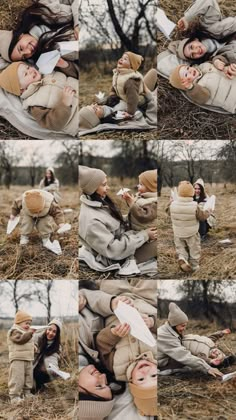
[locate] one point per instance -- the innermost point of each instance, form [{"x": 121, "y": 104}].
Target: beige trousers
[
  {"x": 43, "y": 225},
  {"x": 20, "y": 379},
  {"x": 189, "y": 249}
]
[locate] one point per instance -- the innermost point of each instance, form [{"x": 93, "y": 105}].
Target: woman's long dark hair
[
  {"x": 38, "y": 14},
  {"x": 51, "y": 181},
  {"x": 107, "y": 201},
  {"x": 54, "y": 346},
  {"x": 202, "y": 196}
]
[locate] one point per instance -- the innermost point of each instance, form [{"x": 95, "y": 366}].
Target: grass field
[
  {"x": 59, "y": 400},
  {"x": 34, "y": 261},
  {"x": 218, "y": 261},
  {"x": 195, "y": 396}
]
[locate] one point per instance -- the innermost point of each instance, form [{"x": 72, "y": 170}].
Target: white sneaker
[
  {"x": 28, "y": 395},
  {"x": 195, "y": 267},
  {"x": 24, "y": 240},
  {"x": 129, "y": 267},
  {"x": 16, "y": 400}
]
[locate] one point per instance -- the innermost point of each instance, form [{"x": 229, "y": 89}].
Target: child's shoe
[
  {"x": 129, "y": 267},
  {"x": 184, "y": 265},
  {"x": 195, "y": 267},
  {"x": 24, "y": 240},
  {"x": 28, "y": 395},
  {"x": 16, "y": 400}
]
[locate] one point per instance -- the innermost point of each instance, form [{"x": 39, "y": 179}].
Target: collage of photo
[{"x": 117, "y": 210}]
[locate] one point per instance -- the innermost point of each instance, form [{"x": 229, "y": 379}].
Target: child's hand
[
  {"x": 12, "y": 217},
  {"x": 149, "y": 321},
  {"x": 82, "y": 302},
  {"x": 32, "y": 330},
  {"x": 124, "y": 299},
  {"x": 76, "y": 32},
  {"x": 186, "y": 83},
  {"x": 121, "y": 330},
  {"x": 63, "y": 64},
  {"x": 226, "y": 331},
  {"x": 152, "y": 233},
  {"x": 67, "y": 96},
  {"x": 220, "y": 65},
  {"x": 61, "y": 224},
  {"x": 129, "y": 198},
  {"x": 230, "y": 71},
  {"x": 182, "y": 24},
  {"x": 127, "y": 116}
]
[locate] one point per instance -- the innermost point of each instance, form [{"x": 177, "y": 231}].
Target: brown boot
[{"x": 184, "y": 265}]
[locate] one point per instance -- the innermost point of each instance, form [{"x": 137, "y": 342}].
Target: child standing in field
[
  {"x": 21, "y": 356},
  {"x": 185, "y": 216}
]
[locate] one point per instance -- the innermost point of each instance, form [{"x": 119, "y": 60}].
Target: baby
[
  {"x": 52, "y": 99},
  {"x": 205, "y": 84},
  {"x": 92, "y": 115},
  {"x": 21, "y": 356}
]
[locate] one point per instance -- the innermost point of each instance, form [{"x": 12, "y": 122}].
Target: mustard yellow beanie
[
  {"x": 185, "y": 189},
  {"x": 175, "y": 79},
  {"x": 9, "y": 80},
  {"x": 149, "y": 180},
  {"x": 34, "y": 201},
  {"x": 22, "y": 316},
  {"x": 135, "y": 60}
]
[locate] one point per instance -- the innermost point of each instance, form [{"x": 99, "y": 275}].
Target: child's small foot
[
  {"x": 195, "y": 268},
  {"x": 24, "y": 240},
  {"x": 184, "y": 265},
  {"x": 28, "y": 395},
  {"x": 16, "y": 400}
]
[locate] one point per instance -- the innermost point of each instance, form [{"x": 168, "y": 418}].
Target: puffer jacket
[{"x": 20, "y": 344}]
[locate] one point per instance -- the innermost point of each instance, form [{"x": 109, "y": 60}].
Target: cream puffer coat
[
  {"x": 183, "y": 216},
  {"x": 20, "y": 351},
  {"x": 198, "y": 344},
  {"x": 121, "y": 76}
]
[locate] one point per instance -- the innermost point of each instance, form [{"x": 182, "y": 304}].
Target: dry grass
[
  {"x": 178, "y": 118},
  {"x": 195, "y": 395},
  {"x": 59, "y": 400},
  {"x": 218, "y": 262},
  {"x": 33, "y": 261}
]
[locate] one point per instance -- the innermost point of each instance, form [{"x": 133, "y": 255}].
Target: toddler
[
  {"x": 37, "y": 206},
  {"x": 52, "y": 100},
  {"x": 21, "y": 356},
  {"x": 185, "y": 216},
  {"x": 92, "y": 115}
]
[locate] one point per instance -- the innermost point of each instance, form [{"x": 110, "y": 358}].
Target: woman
[
  {"x": 51, "y": 184},
  {"x": 103, "y": 231},
  {"x": 171, "y": 354},
  {"x": 48, "y": 352},
  {"x": 201, "y": 197},
  {"x": 38, "y": 30}
]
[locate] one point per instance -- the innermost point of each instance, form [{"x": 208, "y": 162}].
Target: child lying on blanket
[
  {"x": 207, "y": 348},
  {"x": 92, "y": 115},
  {"x": 52, "y": 99},
  {"x": 205, "y": 84}
]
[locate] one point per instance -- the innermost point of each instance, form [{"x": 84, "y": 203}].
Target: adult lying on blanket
[
  {"x": 215, "y": 40},
  {"x": 171, "y": 353},
  {"x": 38, "y": 30},
  {"x": 52, "y": 100}
]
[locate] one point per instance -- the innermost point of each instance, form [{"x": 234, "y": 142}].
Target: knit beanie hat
[
  {"x": 135, "y": 60},
  {"x": 22, "y": 316},
  {"x": 90, "y": 179},
  {"x": 149, "y": 180},
  {"x": 145, "y": 399},
  {"x": 175, "y": 79},
  {"x": 5, "y": 40},
  {"x": 87, "y": 118},
  {"x": 9, "y": 80},
  {"x": 180, "y": 48},
  {"x": 176, "y": 315},
  {"x": 56, "y": 322},
  {"x": 185, "y": 189},
  {"x": 94, "y": 410},
  {"x": 34, "y": 201},
  {"x": 51, "y": 170},
  {"x": 199, "y": 182}
]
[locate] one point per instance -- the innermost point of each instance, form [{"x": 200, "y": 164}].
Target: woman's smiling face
[
  {"x": 24, "y": 48},
  {"x": 194, "y": 49},
  {"x": 94, "y": 382},
  {"x": 103, "y": 188},
  {"x": 51, "y": 332}
]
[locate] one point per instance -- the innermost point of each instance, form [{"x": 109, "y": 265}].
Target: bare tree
[
  {"x": 69, "y": 158},
  {"x": 8, "y": 159},
  {"x": 44, "y": 294},
  {"x": 18, "y": 292}
]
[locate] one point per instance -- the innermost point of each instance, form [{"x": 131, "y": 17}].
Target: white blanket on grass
[{"x": 140, "y": 125}]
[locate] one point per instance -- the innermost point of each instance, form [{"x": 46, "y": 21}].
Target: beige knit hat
[
  {"x": 145, "y": 399},
  {"x": 176, "y": 315},
  {"x": 5, "y": 40},
  {"x": 56, "y": 322},
  {"x": 90, "y": 179},
  {"x": 199, "y": 182},
  {"x": 94, "y": 410},
  {"x": 22, "y": 316},
  {"x": 9, "y": 79},
  {"x": 88, "y": 118},
  {"x": 149, "y": 180},
  {"x": 180, "y": 48},
  {"x": 135, "y": 60},
  {"x": 175, "y": 79},
  {"x": 185, "y": 189},
  {"x": 34, "y": 201}
]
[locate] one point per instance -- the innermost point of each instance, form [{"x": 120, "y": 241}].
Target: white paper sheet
[
  {"x": 65, "y": 228},
  {"x": 210, "y": 204},
  {"x": 122, "y": 191},
  {"x": 39, "y": 327},
  {"x": 165, "y": 25},
  {"x": 228, "y": 376},
  {"x": 54, "y": 247},
  {"x": 67, "y": 211},
  {"x": 47, "y": 61},
  {"x": 138, "y": 328},
  {"x": 54, "y": 369},
  {"x": 174, "y": 194},
  {"x": 67, "y": 47},
  {"x": 100, "y": 95},
  {"x": 225, "y": 241},
  {"x": 12, "y": 224}
]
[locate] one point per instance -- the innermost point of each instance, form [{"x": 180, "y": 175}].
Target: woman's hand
[
  {"x": 182, "y": 24},
  {"x": 226, "y": 331},
  {"x": 12, "y": 217},
  {"x": 67, "y": 96},
  {"x": 129, "y": 198},
  {"x": 230, "y": 71},
  {"x": 220, "y": 65},
  {"x": 214, "y": 372},
  {"x": 149, "y": 321},
  {"x": 152, "y": 233},
  {"x": 124, "y": 299},
  {"x": 121, "y": 330},
  {"x": 82, "y": 302},
  {"x": 63, "y": 64}
]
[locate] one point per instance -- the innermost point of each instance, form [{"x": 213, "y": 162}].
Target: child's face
[
  {"x": 99, "y": 111},
  {"x": 144, "y": 374},
  {"x": 188, "y": 73},
  {"x": 124, "y": 62},
  {"x": 94, "y": 382},
  {"x": 24, "y": 48},
  {"x": 25, "y": 325},
  {"x": 27, "y": 75},
  {"x": 51, "y": 332},
  {"x": 142, "y": 189},
  {"x": 103, "y": 188},
  {"x": 194, "y": 49}
]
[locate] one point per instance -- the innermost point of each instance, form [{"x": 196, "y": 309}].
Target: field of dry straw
[
  {"x": 218, "y": 261},
  {"x": 34, "y": 262}
]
